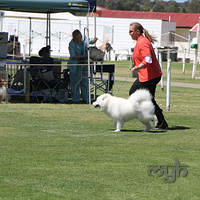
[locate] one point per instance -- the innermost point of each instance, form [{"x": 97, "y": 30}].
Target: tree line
[{"x": 190, "y": 6}]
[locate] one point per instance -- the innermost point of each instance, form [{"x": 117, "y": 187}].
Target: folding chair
[
  {"x": 40, "y": 77},
  {"x": 47, "y": 85},
  {"x": 99, "y": 82}
]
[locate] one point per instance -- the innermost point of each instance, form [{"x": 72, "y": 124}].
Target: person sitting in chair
[
  {"x": 44, "y": 54},
  {"x": 42, "y": 66}
]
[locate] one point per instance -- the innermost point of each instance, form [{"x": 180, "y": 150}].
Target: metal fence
[{"x": 35, "y": 83}]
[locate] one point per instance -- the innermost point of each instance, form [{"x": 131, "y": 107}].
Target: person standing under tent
[
  {"x": 78, "y": 68},
  {"x": 147, "y": 67}
]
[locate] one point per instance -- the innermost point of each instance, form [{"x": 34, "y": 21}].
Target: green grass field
[
  {"x": 122, "y": 70},
  {"x": 70, "y": 152}
]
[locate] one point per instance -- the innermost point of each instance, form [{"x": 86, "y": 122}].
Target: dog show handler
[
  {"x": 147, "y": 67},
  {"x": 78, "y": 68}
]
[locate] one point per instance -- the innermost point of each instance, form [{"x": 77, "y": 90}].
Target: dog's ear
[
  {"x": 2, "y": 82},
  {"x": 105, "y": 96}
]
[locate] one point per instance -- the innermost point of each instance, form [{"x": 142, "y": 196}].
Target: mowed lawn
[
  {"x": 177, "y": 74},
  {"x": 70, "y": 152}
]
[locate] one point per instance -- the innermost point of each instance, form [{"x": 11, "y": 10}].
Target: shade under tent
[{"x": 49, "y": 7}]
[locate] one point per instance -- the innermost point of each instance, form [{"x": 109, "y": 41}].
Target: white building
[
  {"x": 32, "y": 26},
  {"x": 116, "y": 30}
]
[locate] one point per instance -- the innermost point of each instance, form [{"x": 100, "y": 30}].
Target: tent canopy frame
[{"x": 52, "y": 6}]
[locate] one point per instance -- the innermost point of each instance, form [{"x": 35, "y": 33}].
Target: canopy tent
[
  {"x": 26, "y": 15},
  {"x": 52, "y": 6},
  {"x": 48, "y": 6},
  {"x": 38, "y": 16},
  {"x": 45, "y": 6}
]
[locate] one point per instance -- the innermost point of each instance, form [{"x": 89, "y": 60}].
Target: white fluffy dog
[{"x": 138, "y": 105}]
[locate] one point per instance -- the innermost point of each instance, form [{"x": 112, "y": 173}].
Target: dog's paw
[{"x": 117, "y": 130}]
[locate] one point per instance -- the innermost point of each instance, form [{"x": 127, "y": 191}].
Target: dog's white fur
[{"x": 138, "y": 105}]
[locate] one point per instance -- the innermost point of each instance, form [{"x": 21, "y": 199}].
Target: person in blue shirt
[{"x": 78, "y": 68}]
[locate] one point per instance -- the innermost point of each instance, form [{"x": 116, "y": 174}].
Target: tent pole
[
  {"x": 89, "y": 76},
  {"x": 80, "y": 25},
  {"x": 94, "y": 67},
  {"x": 47, "y": 27},
  {"x": 30, "y": 36},
  {"x": 48, "y": 30},
  {"x": 95, "y": 22}
]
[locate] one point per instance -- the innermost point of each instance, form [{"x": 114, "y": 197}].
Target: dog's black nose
[{"x": 97, "y": 106}]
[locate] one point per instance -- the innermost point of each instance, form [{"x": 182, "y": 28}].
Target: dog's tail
[
  {"x": 142, "y": 101},
  {"x": 140, "y": 96}
]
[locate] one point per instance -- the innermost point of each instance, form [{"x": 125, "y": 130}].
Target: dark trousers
[{"x": 151, "y": 87}]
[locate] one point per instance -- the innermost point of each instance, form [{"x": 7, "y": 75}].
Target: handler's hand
[
  {"x": 134, "y": 69},
  {"x": 95, "y": 39}
]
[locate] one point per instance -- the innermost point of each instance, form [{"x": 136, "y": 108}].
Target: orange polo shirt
[{"x": 144, "y": 53}]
